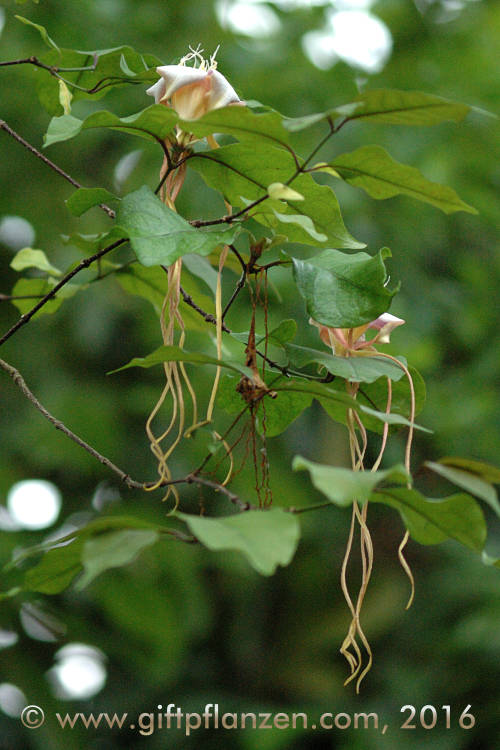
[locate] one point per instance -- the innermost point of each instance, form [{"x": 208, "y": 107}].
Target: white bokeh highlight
[
  {"x": 248, "y": 18},
  {"x": 12, "y": 700},
  {"x": 8, "y": 638},
  {"x": 16, "y": 233},
  {"x": 79, "y": 672},
  {"x": 34, "y": 503},
  {"x": 357, "y": 37}
]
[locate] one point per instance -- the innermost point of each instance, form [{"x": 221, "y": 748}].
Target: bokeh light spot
[
  {"x": 12, "y": 700},
  {"x": 34, "y": 503},
  {"x": 16, "y": 233},
  {"x": 247, "y": 18},
  {"x": 79, "y": 672}
]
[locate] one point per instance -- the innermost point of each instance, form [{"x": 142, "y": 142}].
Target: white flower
[
  {"x": 385, "y": 324},
  {"x": 193, "y": 92},
  {"x": 346, "y": 341}
]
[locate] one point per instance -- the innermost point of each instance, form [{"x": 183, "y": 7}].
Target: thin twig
[
  {"x": 242, "y": 505},
  {"x": 52, "y": 69},
  {"x": 229, "y": 218},
  {"x": 192, "y": 478},
  {"x": 3, "y": 126},
  {"x": 85, "y": 263},
  {"x": 239, "y": 286},
  {"x": 21, "y": 384},
  {"x": 238, "y": 255},
  {"x": 206, "y": 316},
  {"x": 55, "y": 71},
  {"x": 300, "y": 169}
]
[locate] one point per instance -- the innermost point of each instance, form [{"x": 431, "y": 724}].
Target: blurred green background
[{"x": 183, "y": 625}]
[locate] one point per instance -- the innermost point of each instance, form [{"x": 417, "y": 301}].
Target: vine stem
[
  {"x": 21, "y": 384},
  {"x": 7, "y": 129},
  {"x": 85, "y": 263},
  {"x": 191, "y": 478}
]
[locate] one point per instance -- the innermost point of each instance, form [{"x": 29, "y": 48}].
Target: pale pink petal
[
  {"x": 222, "y": 93},
  {"x": 157, "y": 90},
  {"x": 175, "y": 77},
  {"x": 384, "y": 320},
  {"x": 385, "y": 324}
]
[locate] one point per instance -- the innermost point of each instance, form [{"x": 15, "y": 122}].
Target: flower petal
[
  {"x": 157, "y": 90},
  {"x": 222, "y": 93},
  {"x": 385, "y": 324},
  {"x": 386, "y": 319},
  {"x": 206, "y": 90}
]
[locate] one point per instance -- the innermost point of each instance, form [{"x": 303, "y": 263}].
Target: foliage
[{"x": 278, "y": 199}]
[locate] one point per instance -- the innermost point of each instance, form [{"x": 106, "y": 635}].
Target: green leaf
[
  {"x": 242, "y": 123},
  {"x": 375, "y": 171},
  {"x": 284, "y": 332},
  {"x": 154, "y": 122},
  {"x": 395, "y": 107},
  {"x": 174, "y": 354},
  {"x": 389, "y": 106},
  {"x": 113, "y": 550},
  {"x": 272, "y": 416},
  {"x": 374, "y": 396},
  {"x": 305, "y": 223},
  {"x": 487, "y": 560},
  {"x": 30, "y": 258},
  {"x": 280, "y": 192},
  {"x": 30, "y": 291},
  {"x": 372, "y": 399},
  {"x": 14, "y": 591},
  {"x": 98, "y": 526},
  {"x": 344, "y": 486},
  {"x": 336, "y": 404},
  {"x": 242, "y": 172},
  {"x": 149, "y": 282},
  {"x": 56, "y": 570},
  {"x": 267, "y": 538},
  {"x": 486, "y": 471},
  {"x": 93, "y": 73},
  {"x": 145, "y": 282},
  {"x": 85, "y": 198},
  {"x": 201, "y": 268},
  {"x": 356, "y": 369},
  {"x": 432, "y": 521},
  {"x": 341, "y": 290},
  {"x": 467, "y": 481},
  {"x": 159, "y": 235},
  {"x": 65, "y": 97},
  {"x": 41, "y": 30}
]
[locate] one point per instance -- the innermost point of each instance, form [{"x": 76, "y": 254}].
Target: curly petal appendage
[
  {"x": 176, "y": 377},
  {"x": 355, "y": 639}
]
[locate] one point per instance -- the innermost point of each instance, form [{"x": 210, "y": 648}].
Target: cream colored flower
[
  {"x": 193, "y": 91},
  {"x": 348, "y": 340}
]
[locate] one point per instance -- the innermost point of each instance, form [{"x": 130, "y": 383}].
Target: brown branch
[
  {"x": 21, "y": 384},
  {"x": 3, "y": 126},
  {"x": 239, "y": 286},
  {"x": 206, "y": 316},
  {"x": 85, "y": 263},
  {"x": 52, "y": 69},
  {"x": 300, "y": 169},
  {"x": 192, "y": 478},
  {"x": 242, "y": 505}
]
